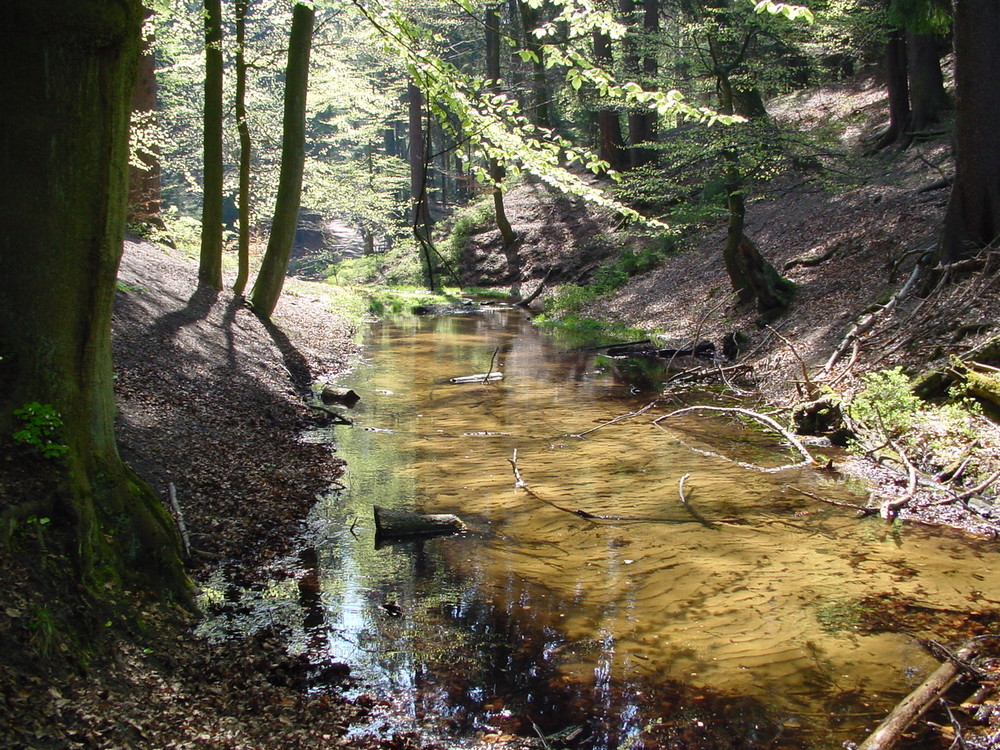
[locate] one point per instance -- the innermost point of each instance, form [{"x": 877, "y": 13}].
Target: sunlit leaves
[{"x": 791, "y": 12}]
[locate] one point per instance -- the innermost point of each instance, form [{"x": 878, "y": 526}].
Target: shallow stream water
[{"x": 734, "y": 620}]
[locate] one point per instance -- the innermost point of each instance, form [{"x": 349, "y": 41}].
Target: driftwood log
[
  {"x": 393, "y": 524},
  {"x": 913, "y": 706},
  {"x": 332, "y": 394},
  {"x": 484, "y": 377}
]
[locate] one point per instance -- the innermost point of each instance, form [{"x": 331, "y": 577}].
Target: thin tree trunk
[
  {"x": 246, "y": 146},
  {"x": 540, "y": 112},
  {"x": 641, "y": 122},
  {"x": 897, "y": 86},
  {"x": 274, "y": 266},
  {"x": 70, "y": 67},
  {"x": 497, "y": 172},
  {"x": 145, "y": 195},
  {"x": 610, "y": 142},
  {"x": 210, "y": 264},
  {"x": 420, "y": 217}
]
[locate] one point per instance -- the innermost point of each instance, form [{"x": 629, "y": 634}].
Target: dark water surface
[{"x": 733, "y": 622}]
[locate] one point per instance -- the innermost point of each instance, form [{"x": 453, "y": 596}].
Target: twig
[
  {"x": 891, "y": 507},
  {"x": 619, "y": 418},
  {"x": 486, "y": 377},
  {"x": 680, "y": 488},
  {"x": 979, "y": 487},
  {"x": 810, "y": 386},
  {"x": 172, "y": 494},
  {"x": 861, "y": 508},
  {"x": 684, "y": 501}
]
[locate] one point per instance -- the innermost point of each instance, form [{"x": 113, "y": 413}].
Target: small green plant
[
  {"x": 40, "y": 425},
  {"x": 886, "y": 402}
]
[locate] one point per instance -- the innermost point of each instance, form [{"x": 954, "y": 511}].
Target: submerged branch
[{"x": 807, "y": 458}]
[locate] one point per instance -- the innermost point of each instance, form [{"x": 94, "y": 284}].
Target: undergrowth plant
[
  {"x": 40, "y": 423},
  {"x": 887, "y": 413}
]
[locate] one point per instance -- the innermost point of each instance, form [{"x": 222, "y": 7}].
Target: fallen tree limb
[
  {"x": 520, "y": 484},
  {"x": 911, "y": 708},
  {"x": 392, "y": 524},
  {"x": 181, "y": 526},
  {"x": 619, "y": 418},
  {"x": 840, "y": 504},
  {"x": 807, "y": 458}
]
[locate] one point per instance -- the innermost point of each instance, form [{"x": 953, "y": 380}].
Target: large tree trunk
[
  {"x": 274, "y": 266},
  {"x": 67, "y": 73},
  {"x": 972, "y": 220},
  {"x": 210, "y": 264},
  {"x": 246, "y": 146},
  {"x": 751, "y": 275},
  {"x": 144, "y": 184}
]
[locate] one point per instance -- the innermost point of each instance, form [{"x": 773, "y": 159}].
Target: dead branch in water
[
  {"x": 839, "y": 503},
  {"x": 694, "y": 514},
  {"x": 519, "y": 483},
  {"x": 619, "y": 418},
  {"x": 911, "y": 708},
  {"x": 807, "y": 458}
]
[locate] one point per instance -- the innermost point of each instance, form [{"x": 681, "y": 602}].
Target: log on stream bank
[{"x": 394, "y": 524}]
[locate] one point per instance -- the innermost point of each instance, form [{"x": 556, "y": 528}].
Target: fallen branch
[
  {"x": 839, "y": 503},
  {"x": 807, "y": 458},
  {"x": 181, "y": 526},
  {"x": 890, "y": 508},
  {"x": 619, "y": 418},
  {"x": 519, "y": 483},
  {"x": 684, "y": 501},
  {"x": 391, "y": 523},
  {"x": 911, "y": 708}
]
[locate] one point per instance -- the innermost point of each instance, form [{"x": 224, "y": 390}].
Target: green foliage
[
  {"x": 40, "y": 424},
  {"x": 609, "y": 276},
  {"x": 886, "y": 410}
]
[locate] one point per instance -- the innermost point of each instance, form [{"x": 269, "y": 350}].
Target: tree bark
[
  {"x": 610, "y": 142},
  {"x": 274, "y": 266},
  {"x": 928, "y": 98},
  {"x": 898, "y": 89},
  {"x": 210, "y": 263},
  {"x": 642, "y": 123},
  {"x": 541, "y": 113},
  {"x": 246, "y": 148},
  {"x": 508, "y": 236},
  {"x": 401, "y": 523},
  {"x": 67, "y": 70},
  {"x": 420, "y": 215},
  {"x": 144, "y": 189},
  {"x": 972, "y": 219}
]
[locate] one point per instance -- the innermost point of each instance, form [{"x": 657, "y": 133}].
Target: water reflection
[{"x": 739, "y": 631}]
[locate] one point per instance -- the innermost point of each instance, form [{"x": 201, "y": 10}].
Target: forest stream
[{"x": 751, "y": 612}]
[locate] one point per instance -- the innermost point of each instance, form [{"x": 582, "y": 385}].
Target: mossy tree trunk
[
  {"x": 274, "y": 266},
  {"x": 68, "y": 69},
  {"x": 210, "y": 263}
]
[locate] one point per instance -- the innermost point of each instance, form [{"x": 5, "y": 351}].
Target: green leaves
[
  {"x": 791, "y": 12},
  {"x": 40, "y": 424}
]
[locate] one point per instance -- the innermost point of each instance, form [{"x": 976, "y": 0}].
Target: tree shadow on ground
[{"x": 197, "y": 308}]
